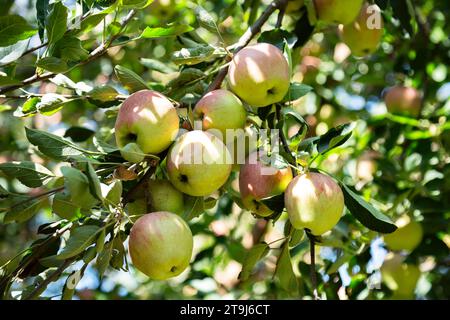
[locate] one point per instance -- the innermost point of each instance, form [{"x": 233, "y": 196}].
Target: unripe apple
[
  {"x": 259, "y": 75},
  {"x": 148, "y": 119},
  {"x": 408, "y": 235},
  {"x": 337, "y": 11},
  {"x": 363, "y": 36},
  {"x": 403, "y": 99},
  {"x": 221, "y": 110},
  {"x": 131, "y": 152},
  {"x": 258, "y": 180},
  {"x": 161, "y": 245},
  {"x": 163, "y": 196},
  {"x": 198, "y": 163},
  {"x": 400, "y": 277},
  {"x": 314, "y": 201}
]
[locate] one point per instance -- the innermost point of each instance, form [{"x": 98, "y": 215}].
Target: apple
[
  {"x": 408, "y": 235},
  {"x": 149, "y": 120},
  {"x": 160, "y": 245},
  {"x": 314, "y": 201},
  {"x": 132, "y": 153},
  {"x": 403, "y": 99},
  {"x": 337, "y": 11},
  {"x": 163, "y": 196},
  {"x": 258, "y": 180},
  {"x": 400, "y": 277},
  {"x": 259, "y": 75},
  {"x": 220, "y": 110},
  {"x": 198, "y": 163},
  {"x": 363, "y": 36}
]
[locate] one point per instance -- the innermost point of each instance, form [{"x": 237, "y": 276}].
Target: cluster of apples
[{"x": 160, "y": 241}]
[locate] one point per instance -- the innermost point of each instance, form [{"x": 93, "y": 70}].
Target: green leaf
[
  {"x": 28, "y": 108},
  {"x": 113, "y": 192},
  {"x": 51, "y": 145},
  {"x": 194, "y": 206},
  {"x": 129, "y": 79},
  {"x": 104, "y": 258},
  {"x": 198, "y": 54},
  {"x": 256, "y": 253},
  {"x": 52, "y": 64},
  {"x": 14, "y": 28},
  {"x": 22, "y": 210},
  {"x": 186, "y": 77},
  {"x": 8, "y": 81},
  {"x": 56, "y": 24},
  {"x": 204, "y": 19},
  {"x": 90, "y": 22},
  {"x": 289, "y": 118},
  {"x": 296, "y": 91},
  {"x": 4, "y": 107},
  {"x": 275, "y": 203},
  {"x": 104, "y": 93},
  {"x": 135, "y": 4},
  {"x": 366, "y": 213},
  {"x": 64, "y": 207},
  {"x": 156, "y": 65},
  {"x": 69, "y": 48},
  {"x": 284, "y": 272},
  {"x": 78, "y": 185},
  {"x": 13, "y": 52},
  {"x": 42, "y": 8},
  {"x": 80, "y": 238},
  {"x": 94, "y": 182},
  {"x": 78, "y": 134},
  {"x": 161, "y": 32},
  {"x": 335, "y": 137},
  {"x": 31, "y": 174},
  {"x": 51, "y": 103},
  {"x": 277, "y": 37}
]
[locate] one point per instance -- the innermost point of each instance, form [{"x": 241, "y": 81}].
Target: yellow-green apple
[
  {"x": 221, "y": 110},
  {"x": 399, "y": 276},
  {"x": 403, "y": 99},
  {"x": 259, "y": 75},
  {"x": 160, "y": 245},
  {"x": 198, "y": 163},
  {"x": 363, "y": 35},
  {"x": 337, "y": 11},
  {"x": 408, "y": 235},
  {"x": 314, "y": 201},
  {"x": 147, "y": 120},
  {"x": 163, "y": 196},
  {"x": 259, "y": 180}
]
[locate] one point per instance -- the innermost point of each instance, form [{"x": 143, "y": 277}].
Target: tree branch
[
  {"x": 96, "y": 53},
  {"x": 244, "y": 40}
]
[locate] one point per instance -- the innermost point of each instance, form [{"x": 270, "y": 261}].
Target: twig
[
  {"x": 244, "y": 40},
  {"x": 43, "y": 285},
  {"x": 313, "y": 265},
  {"x": 282, "y": 7},
  {"x": 96, "y": 53}
]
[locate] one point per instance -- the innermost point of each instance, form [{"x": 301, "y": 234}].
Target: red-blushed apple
[
  {"x": 408, "y": 235},
  {"x": 198, "y": 163},
  {"x": 163, "y": 196},
  {"x": 259, "y": 75},
  {"x": 314, "y": 201},
  {"x": 401, "y": 99},
  {"x": 148, "y": 119},
  {"x": 221, "y": 110},
  {"x": 399, "y": 276},
  {"x": 161, "y": 245},
  {"x": 363, "y": 36},
  {"x": 337, "y": 11},
  {"x": 258, "y": 180}
]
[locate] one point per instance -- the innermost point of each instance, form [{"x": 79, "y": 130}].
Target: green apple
[
  {"x": 220, "y": 110},
  {"x": 198, "y": 163},
  {"x": 363, "y": 36},
  {"x": 163, "y": 196},
  {"x": 400, "y": 99},
  {"x": 400, "y": 277},
  {"x": 131, "y": 152},
  {"x": 160, "y": 245},
  {"x": 337, "y": 11},
  {"x": 259, "y": 75},
  {"x": 408, "y": 235},
  {"x": 314, "y": 201},
  {"x": 148, "y": 119},
  {"x": 258, "y": 180}
]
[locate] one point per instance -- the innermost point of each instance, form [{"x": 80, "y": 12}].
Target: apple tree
[{"x": 245, "y": 149}]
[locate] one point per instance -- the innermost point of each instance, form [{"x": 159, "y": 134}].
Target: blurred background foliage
[{"x": 400, "y": 163}]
